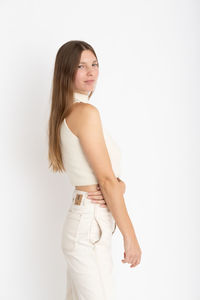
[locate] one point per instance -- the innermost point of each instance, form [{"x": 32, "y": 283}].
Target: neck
[{"x": 80, "y": 97}]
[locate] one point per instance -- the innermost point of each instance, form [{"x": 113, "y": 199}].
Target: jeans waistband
[{"x": 80, "y": 202}]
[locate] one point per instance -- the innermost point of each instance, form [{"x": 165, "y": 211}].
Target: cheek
[
  {"x": 79, "y": 77},
  {"x": 97, "y": 72}
]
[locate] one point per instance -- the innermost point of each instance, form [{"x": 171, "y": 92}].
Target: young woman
[{"x": 80, "y": 145}]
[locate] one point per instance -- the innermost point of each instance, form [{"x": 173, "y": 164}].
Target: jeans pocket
[
  {"x": 109, "y": 221},
  {"x": 114, "y": 226},
  {"x": 102, "y": 227},
  {"x": 70, "y": 231},
  {"x": 95, "y": 231}
]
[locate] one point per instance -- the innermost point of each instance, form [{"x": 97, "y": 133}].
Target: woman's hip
[{"x": 86, "y": 224}]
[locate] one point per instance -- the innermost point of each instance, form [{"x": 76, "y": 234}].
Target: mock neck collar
[{"x": 79, "y": 97}]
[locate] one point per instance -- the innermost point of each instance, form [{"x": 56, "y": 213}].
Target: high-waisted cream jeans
[{"x": 86, "y": 244}]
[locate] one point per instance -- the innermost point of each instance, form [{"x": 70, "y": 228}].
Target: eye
[{"x": 92, "y": 65}]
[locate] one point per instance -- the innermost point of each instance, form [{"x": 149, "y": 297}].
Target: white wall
[{"x": 148, "y": 95}]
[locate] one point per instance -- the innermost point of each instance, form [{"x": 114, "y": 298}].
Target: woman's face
[{"x": 87, "y": 73}]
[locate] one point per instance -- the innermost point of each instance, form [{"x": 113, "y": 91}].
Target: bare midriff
[{"x": 87, "y": 188}]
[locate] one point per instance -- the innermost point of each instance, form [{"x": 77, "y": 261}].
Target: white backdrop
[{"x": 148, "y": 97}]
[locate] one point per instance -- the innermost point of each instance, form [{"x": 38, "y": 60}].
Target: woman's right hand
[{"x": 132, "y": 251}]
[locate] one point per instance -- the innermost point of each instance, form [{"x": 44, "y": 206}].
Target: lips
[{"x": 89, "y": 81}]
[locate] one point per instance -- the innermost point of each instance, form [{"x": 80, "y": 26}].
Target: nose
[{"x": 90, "y": 70}]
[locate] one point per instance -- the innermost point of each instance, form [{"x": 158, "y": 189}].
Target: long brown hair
[{"x": 66, "y": 65}]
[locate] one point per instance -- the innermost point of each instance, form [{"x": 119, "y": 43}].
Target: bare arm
[{"x": 91, "y": 137}]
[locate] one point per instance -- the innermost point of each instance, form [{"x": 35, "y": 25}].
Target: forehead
[{"x": 87, "y": 56}]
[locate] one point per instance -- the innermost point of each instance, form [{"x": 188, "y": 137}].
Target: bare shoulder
[
  {"x": 88, "y": 115},
  {"x": 78, "y": 114},
  {"x": 88, "y": 108}
]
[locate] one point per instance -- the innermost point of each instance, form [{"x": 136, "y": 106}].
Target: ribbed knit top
[{"x": 74, "y": 159}]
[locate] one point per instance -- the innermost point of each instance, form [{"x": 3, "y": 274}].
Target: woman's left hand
[{"x": 97, "y": 197}]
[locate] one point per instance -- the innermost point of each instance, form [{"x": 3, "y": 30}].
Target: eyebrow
[{"x": 82, "y": 62}]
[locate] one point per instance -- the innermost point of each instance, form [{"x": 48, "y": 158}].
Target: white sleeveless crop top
[{"x": 74, "y": 160}]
